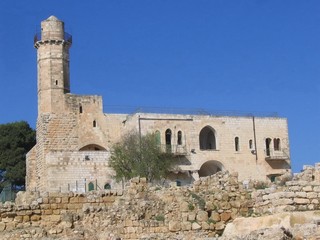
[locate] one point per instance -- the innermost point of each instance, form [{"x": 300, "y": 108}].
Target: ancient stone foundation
[{"x": 144, "y": 211}]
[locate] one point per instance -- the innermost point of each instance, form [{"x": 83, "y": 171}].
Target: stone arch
[
  {"x": 210, "y": 167},
  {"x": 207, "y": 138},
  {"x": 92, "y": 147}
]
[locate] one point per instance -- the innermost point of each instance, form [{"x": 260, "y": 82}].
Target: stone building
[{"x": 74, "y": 135}]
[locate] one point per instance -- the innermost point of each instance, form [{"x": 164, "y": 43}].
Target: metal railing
[
  {"x": 38, "y": 37},
  {"x": 277, "y": 154},
  {"x": 7, "y": 194},
  {"x": 174, "y": 149}
]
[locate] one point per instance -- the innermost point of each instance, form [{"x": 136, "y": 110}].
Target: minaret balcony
[{"x": 66, "y": 37}]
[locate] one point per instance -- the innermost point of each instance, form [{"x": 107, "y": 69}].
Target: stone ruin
[{"x": 214, "y": 207}]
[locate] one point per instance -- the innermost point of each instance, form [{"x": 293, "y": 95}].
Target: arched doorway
[
  {"x": 207, "y": 139},
  {"x": 91, "y": 186},
  {"x": 210, "y": 168}
]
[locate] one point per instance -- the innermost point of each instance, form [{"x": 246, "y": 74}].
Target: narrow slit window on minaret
[
  {"x": 80, "y": 109},
  {"x": 56, "y": 82},
  {"x": 94, "y": 123}
]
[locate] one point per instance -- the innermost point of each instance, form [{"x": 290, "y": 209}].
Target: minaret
[{"x": 53, "y": 65}]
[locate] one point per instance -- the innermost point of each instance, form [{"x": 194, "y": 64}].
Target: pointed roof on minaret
[{"x": 52, "y": 18}]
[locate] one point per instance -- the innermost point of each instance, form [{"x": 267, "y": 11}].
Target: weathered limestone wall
[
  {"x": 76, "y": 170},
  {"x": 143, "y": 211},
  {"x": 226, "y": 128},
  {"x": 295, "y": 196},
  {"x": 138, "y": 212}
]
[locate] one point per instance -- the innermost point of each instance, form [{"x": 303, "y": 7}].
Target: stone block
[
  {"x": 10, "y": 226},
  {"x": 219, "y": 226},
  {"x": 35, "y": 218},
  {"x": 215, "y": 216},
  {"x": 2, "y": 226},
  {"x": 312, "y": 195},
  {"x": 48, "y": 211},
  {"x": 65, "y": 200},
  {"x": 53, "y": 206},
  {"x": 307, "y": 189},
  {"x": 184, "y": 206},
  {"x": 186, "y": 226},
  {"x": 191, "y": 216},
  {"x": 225, "y": 216},
  {"x": 196, "y": 226},
  {"x": 18, "y": 219},
  {"x": 301, "y": 195},
  {"x": 202, "y": 216},
  {"x": 26, "y": 218},
  {"x": 205, "y": 225},
  {"x": 55, "y": 218},
  {"x": 174, "y": 226},
  {"x": 74, "y": 200},
  {"x": 301, "y": 200},
  {"x": 45, "y": 206}
]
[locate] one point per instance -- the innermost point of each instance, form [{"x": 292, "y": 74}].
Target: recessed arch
[
  {"x": 210, "y": 167},
  {"x": 92, "y": 147},
  {"x": 207, "y": 138}
]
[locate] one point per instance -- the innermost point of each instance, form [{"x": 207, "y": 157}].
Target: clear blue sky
[{"x": 256, "y": 56}]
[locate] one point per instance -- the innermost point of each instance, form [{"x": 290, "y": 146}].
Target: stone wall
[
  {"x": 144, "y": 211},
  {"x": 140, "y": 211}
]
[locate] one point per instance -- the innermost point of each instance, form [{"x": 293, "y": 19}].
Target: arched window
[
  {"x": 158, "y": 137},
  {"x": 250, "y": 144},
  {"x": 91, "y": 186},
  {"x": 179, "y": 141},
  {"x": 276, "y": 144},
  {"x": 236, "y": 144},
  {"x": 268, "y": 141},
  {"x": 107, "y": 186},
  {"x": 94, "y": 123},
  {"x": 168, "y": 140},
  {"x": 80, "y": 109},
  {"x": 207, "y": 138}
]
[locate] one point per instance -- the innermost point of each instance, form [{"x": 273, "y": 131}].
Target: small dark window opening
[
  {"x": 56, "y": 82},
  {"x": 178, "y": 182},
  {"x": 273, "y": 178},
  {"x": 179, "y": 138},
  {"x": 94, "y": 123},
  {"x": 80, "y": 109},
  {"x": 107, "y": 186},
  {"x": 276, "y": 144},
  {"x": 236, "y": 143},
  {"x": 168, "y": 140},
  {"x": 268, "y": 141},
  {"x": 250, "y": 144}
]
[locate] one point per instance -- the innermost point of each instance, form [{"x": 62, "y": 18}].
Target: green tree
[
  {"x": 16, "y": 139},
  {"x": 142, "y": 156}
]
